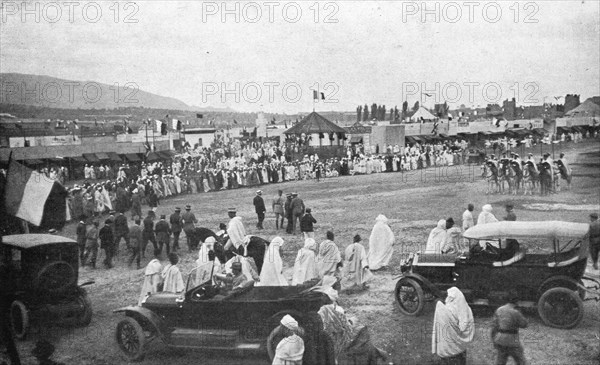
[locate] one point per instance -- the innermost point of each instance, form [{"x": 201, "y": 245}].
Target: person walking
[
  {"x": 594, "y": 233},
  {"x": 278, "y": 204},
  {"x": 107, "y": 242},
  {"x": 176, "y": 224},
  {"x": 297, "y": 206},
  {"x": 152, "y": 277},
  {"x": 505, "y": 332},
  {"x": 135, "y": 240},
  {"x": 148, "y": 233},
  {"x": 189, "y": 219},
  {"x": 91, "y": 245},
  {"x": 289, "y": 215},
  {"x": 306, "y": 224},
  {"x": 453, "y": 328},
  {"x": 259, "y": 207},
  {"x": 121, "y": 231},
  {"x": 163, "y": 234},
  {"x": 81, "y": 233}
]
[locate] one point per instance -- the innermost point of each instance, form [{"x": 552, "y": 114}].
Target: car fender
[
  {"x": 559, "y": 280},
  {"x": 424, "y": 282},
  {"x": 146, "y": 318}
]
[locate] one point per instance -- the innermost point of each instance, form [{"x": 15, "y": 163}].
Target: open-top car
[
  {"x": 206, "y": 317},
  {"x": 542, "y": 262},
  {"x": 43, "y": 272}
]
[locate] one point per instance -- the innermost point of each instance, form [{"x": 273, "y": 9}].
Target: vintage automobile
[
  {"x": 541, "y": 262},
  {"x": 202, "y": 317},
  {"x": 43, "y": 271}
]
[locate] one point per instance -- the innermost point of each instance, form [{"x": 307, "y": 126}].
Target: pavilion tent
[
  {"x": 315, "y": 123},
  {"x": 587, "y": 109},
  {"x": 424, "y": 114}
]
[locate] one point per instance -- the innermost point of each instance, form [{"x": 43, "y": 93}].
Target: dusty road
[{"x": 414, "y": 202}]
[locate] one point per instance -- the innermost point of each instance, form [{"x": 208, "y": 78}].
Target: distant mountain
[{"x": 52, "y": 92}]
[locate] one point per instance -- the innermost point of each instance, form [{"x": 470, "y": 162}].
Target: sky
[{"x": 270, "y": 56}]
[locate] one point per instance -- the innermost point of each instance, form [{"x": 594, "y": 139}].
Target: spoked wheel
[
  {"x": 409, "y": 296},
  {"x": 560, "y": 308},
  {"x": 131, "y": 339},
  {"x": 19, "y": 319}
]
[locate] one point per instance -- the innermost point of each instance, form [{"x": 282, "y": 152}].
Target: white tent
[{"x": 422, "y": 113}]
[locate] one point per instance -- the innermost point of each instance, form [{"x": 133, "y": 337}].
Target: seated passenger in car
[{"x": 234, "y": 281}]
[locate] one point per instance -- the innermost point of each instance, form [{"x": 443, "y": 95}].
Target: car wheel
[
  {"x": 409, "y": 296},
  {"x": 131, "y": 339},
  {"x": 86, "y": 315},
  {"x": 560, "y": 307},
  {"x": 19, "y": 319}
]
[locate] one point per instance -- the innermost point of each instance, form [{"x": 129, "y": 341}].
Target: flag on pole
[
  {"x": 158, "y": 124},
  {"x": 200, "y": 116},
  {"x": 315, "y": 95},
  {"x": 28, "y": 192},
  {"x": 322, "y": 96},
  {"x": 174, "y": 124}
]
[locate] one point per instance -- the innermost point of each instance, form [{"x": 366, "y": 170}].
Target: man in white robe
[
  {"x": 329, "y": 257},
  {"x": 235, "y": 230},
  {"x": 305, "y": 266},
  {"x": 437, "y": 238},
  {"x": 381, "y": 244},
  {"x": 453, "y": 328},
  {"x": 204, "y": 265},
  {"x": 356, "y": 265},
  {"x": 272, "y": 269},
  {"x": 152, "y": 277},
  {"x": 486, "y": 215},
  {"x": 172, "y": 278},
  {"x": 290, "y": 349}
]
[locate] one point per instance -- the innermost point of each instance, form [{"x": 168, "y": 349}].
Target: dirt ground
[{"x": 413, "y": 202}]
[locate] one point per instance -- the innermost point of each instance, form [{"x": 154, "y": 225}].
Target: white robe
[
  {"x": 289, "y": 351},
  {"x": 305, "y": 267},
  {"x": 437, "y": 238},
  {"x": 381, "y": 244},
  {"x": 355, "y": 266},
  {"x": 173, "y": 281},
  {"x": 152, "y": 278},
  {"x": 453, "y": 325},
  {"x": 236, "y": 232},
  {"x": 272, "y": 269}
]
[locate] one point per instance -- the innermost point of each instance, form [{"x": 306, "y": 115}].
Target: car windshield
[{"x": 199, "y": 276}]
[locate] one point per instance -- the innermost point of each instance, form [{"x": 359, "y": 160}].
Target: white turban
[
  {"x": 289, "y": 322},
  {"x": 277, "y": 241}
]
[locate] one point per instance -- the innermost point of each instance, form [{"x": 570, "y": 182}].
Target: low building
[{"x": 203, "y": 137}]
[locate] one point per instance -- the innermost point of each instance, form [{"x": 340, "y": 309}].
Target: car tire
[
  {"x": 86, "y": 316},
  {"x": 560, "y": 308},
  {"x": 131, "y": 339},
  {"x": 19, "y": 319},
  {"x": 415, "y": 295}
]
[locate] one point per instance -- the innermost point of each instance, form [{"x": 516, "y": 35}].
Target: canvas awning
[
  {"x": 114, "y": 157},
  {"x": 540, "y": 131},
  {"x": 78, "y": 159},
  {"x": 102, "y": 156},
  {"x": 443, "y": 135},
  {"x": 91, "y": 157},
  {"x": 410, "y": 139},
  {"x": 417, "y": 139},
  {"x": 33, "y": 161},
  {"x": 356, "y": 139},
  {"x": 153, "y": 156},
  {"x": 132, "y": 157}
]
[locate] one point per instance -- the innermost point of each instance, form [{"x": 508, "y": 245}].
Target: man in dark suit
[
  {"x": 163, "y": 233},
  {"x": 175, "y": 220},
  {"x": 297, "y": 206},
  {"x": 287, "y": 210},
  {"x": 189, "y": 219},
  {"x": 259, "y": 207}
]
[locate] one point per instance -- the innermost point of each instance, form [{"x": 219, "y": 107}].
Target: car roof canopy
[
  {"x": 33, "y": 240},
  {"x": 510, "y": 229}
]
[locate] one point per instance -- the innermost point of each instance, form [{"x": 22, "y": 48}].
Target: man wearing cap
[
  {"x": 121, "y": 230},
  {"x": 176, "y": 224},
  {"x": 297, "y": 206},
  {"x": 290, "y": 349},
  {"x": 81, "y": 232},
  {"x": 188, "y": 219},
  {"x": 278, "y": 203},
  {"x": 107, "y": 242},
  {"x": 510, "y": 214},
  {"x": 505, "y": 332},
  {"x": 287, "y": 208},
  {"x": 235, "y": 280},
  {"x": 91, "y": 244},
  {"x": 148, "y": 233},
  {"x": 259, "y": 207},
  {"x": 135, "y": 238},
  {"x": 163, "y": 233},
  {"x": 594, "y": 233}
]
